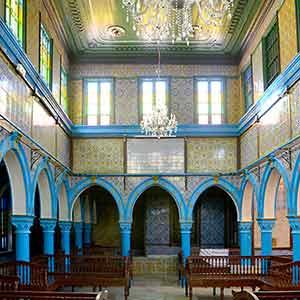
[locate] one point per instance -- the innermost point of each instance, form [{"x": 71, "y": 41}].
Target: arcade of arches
[{"x": 78, "y": 172}]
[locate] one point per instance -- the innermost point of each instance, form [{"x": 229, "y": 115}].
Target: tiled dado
[
  {"x": 155, "y": 265},
  {"x": 211, "y": 154}
]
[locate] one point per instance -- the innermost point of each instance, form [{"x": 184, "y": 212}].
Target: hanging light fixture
[
  {"x": 158, "y": 20},
  {"x": 158, "y": 123}
]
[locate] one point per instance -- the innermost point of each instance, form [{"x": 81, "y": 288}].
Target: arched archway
[
  {"x": 215, "y": 220},
  {"x": 155, "y": 228},
  {"x": 43, "y": 179},
  {"x": 13, "y": 155},
  {"x": 6, "y": 230},
  {"x": 275, "y": 203},
  {"x": 106, "y": 229}
]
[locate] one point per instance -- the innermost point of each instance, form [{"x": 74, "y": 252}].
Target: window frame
[
  {"x": 141, "y": 80},
  {"x": 266, "y": 52},
  {"x": 64, "y": 73},
  {"x": 22, "y": 42},
  {"x": 99, "y": 80},
  {"x": 42, "y": 26},
  {"x": 297, "y": 4},
  {"x": 209, "y": 79},
  {"x": 248, "y": 103}
]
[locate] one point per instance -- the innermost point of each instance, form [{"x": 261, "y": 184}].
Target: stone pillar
[
  {"x": 78, "y": 227},
  {"x": 295, "y": 226},
  {"x": 186, "y": 228},
  {"x": 65, "y": 231},
  {"x": 22, "y": 225},
  {"x": 266, "y": 227},
  {"x": 245, "y": 238},
  {"x": 48, "y": 226},
  {"x": 125, "y": 229},
  {"x": 87, "y": 234}
]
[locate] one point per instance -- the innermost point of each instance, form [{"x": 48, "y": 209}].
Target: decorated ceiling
[{"x": 101, "y": 29}]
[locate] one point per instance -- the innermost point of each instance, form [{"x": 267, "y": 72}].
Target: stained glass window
[
  {"x": 98, "y": 101},
  {"x": 210, "y": 106},
  {"x": 45, "y": 56},
  {"x": 271, "y": 55},
  {"x": 153, "y": 95},
  {"x": 14, "y": 18},
  {"x": 248, "y": 86},
  {"x": 63, "y": 90}
]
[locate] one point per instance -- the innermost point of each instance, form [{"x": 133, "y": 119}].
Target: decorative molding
[
  {"x": 245, "y": 226},
  {"x": 48, "y": 224},
  {"x": 295, "y": 224},
  {"x": 65, "y": 226},
  {"x": 22, "y": 223},
  {"x": 266, "y": 225}
]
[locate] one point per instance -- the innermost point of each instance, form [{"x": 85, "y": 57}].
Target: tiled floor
[{"x": 161, "y": 288}]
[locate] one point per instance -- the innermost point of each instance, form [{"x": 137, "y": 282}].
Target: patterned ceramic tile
[
  {"x": 258, "y": 74},
  {"x": 75, "y": 98},
  {"x": 182, "y": 101},
  {"x": 15, "y": 99},
  {"x": 287, "y": 32},
  {"x": 98, "y": 156},
  {"x": 274, "y": 127},
  {"x": 126, "y": 101},
  {"x": 234, "y": 105},
  {"x": 63, "y": 146},
  {"x": 212, "y": 154},
  {"x": 295, "y": 109},
  {"x": 43, "y": 128},
  {"x": 248, "y": 146}
]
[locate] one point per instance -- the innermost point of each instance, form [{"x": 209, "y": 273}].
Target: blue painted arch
[
  {"x": 162, "y": 183},
  {"x": 44, "y": 166},
  {"x": 295, "y": 184},
  {"x": 249, "y": 179},
  {"x": 274, "y": 165},
  {"x": 225, "y": 185},
  {"x": 8, "y": 144},
  {"x": 63, "y": 192},
  {"x": 86, "y": 183}
]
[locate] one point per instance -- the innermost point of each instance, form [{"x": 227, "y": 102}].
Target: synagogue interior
[{"x": 149, "y": 149}]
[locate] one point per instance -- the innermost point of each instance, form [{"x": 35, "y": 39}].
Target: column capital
[
  {"x": 48, "y": 224},
  {"x": 65, "y": 226},
  {"x": 186, "y": 226},
  {"x": 22, "y": 223},
  {"x": 125, "y": 227},
  {"x": 245, "y": 226},
  {"x": 295, "y": 223},
  {"x": 266, "y": 225}
]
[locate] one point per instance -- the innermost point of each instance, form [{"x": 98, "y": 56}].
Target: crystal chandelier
[
  {"x": 158, "y": 20},
  {"x": 158, "y": 123}
]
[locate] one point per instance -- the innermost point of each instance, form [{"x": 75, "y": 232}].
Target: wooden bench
[
  {"x": 9, "y": 283},
  {"x": 95, "y": 271},
  {"x": 225, "y": 272},
  {"x": 266, "y": 295},
  {"x": 46, "y": 295},
  {"x": 31, "y": 276}
]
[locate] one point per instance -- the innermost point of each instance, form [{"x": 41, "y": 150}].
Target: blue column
[
  {"x": 87, "y": 234},
  {"x": 125, "y": 229},
  {"x": 295, "y": 225},
  {"x": 78, "y": 227},
  {"x": 266, "y": 227},
  {"x": 245, "y": 238},
  {"x": 65, "y": 231},
  {"x": 186, "y": 228},
  {"x": 48, "y": 226},
  {"x": 22, "y": 225}
]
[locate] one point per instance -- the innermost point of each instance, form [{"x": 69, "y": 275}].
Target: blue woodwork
[
  {"x": 87, "y": 234},
  {"x": 295, "y": 225},
  {"x": 266, "y": 227},
  {"x": 78, "y": 228},
  {"x": 245, "y": 238},
  {"x": 125, "y": 229}
]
